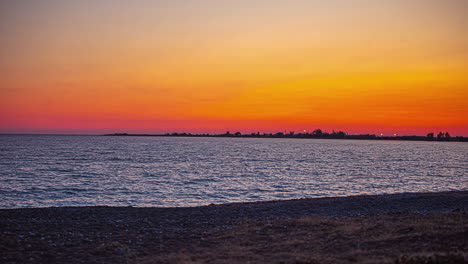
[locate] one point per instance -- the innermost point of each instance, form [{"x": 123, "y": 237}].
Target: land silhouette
[{"x": 317, "y": 134}]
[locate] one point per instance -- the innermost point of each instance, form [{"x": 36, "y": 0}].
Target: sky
[{"x": 140, "y": 66}]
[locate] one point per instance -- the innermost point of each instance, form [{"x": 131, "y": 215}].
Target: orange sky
[{"x": 361, "y": 66}]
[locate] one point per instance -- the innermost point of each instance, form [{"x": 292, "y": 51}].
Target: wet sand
[{"x": 399, "y": 228}]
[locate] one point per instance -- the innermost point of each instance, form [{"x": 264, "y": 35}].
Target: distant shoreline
[
  {"x": 299, "y": 136},
  {"x": 273, "y": 136}
]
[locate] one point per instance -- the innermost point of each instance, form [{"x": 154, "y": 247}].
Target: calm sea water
[{"x": 40, "y": 171}]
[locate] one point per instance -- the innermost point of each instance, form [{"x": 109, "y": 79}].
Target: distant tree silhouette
[
  {"x": 237, "y": 134},
  {"x": 317, "y": 132},
  {"x": 447, "y": 135},
  {"x": 440, "y": 136},
  {"x": 430, "y": 135},
  {"x": 279, "y": 134},
  {"x": 339, "y": 134}
]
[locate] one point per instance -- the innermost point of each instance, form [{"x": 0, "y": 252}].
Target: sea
[{"x": 69, "y": 170}]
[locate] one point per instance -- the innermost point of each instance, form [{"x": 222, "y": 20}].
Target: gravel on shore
[{"x": 207, "y": 234}]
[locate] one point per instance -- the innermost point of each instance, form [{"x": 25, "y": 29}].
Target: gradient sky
[{"x": 362, "y": 66}]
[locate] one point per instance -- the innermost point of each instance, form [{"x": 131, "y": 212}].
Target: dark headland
[
  {"x": 316, "y": 134},
  {"x": 399, "y": 228}
]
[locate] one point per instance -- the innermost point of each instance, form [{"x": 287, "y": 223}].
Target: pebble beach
[{"x": 394, "y": 228}]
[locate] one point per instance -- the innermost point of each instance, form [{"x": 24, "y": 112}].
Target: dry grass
[{"x": 397, "y": 238}]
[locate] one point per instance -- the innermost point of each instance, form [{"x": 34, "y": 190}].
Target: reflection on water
[{"x": 37, "y": 171}]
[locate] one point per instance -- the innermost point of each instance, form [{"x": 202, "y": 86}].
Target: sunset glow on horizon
[{"x": 361, "y": 66}]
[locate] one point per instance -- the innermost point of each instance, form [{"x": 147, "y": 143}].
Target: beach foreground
[{"x": 400, "y": 228}]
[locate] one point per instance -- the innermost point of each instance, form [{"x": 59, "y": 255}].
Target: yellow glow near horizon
[{"x": 216, "y": 65}]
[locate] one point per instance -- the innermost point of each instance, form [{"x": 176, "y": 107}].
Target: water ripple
[{"x": 38, "y": 171}]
